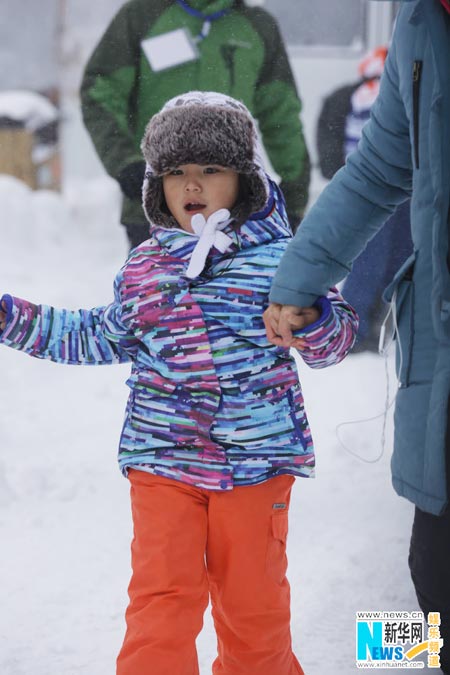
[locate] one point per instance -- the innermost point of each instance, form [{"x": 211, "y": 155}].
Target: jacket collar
[
  {"x": 259, "y": 229},
  {"x": 210, "y": 6}
]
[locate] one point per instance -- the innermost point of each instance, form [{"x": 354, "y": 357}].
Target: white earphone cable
[{"x": 383, "y": 350}]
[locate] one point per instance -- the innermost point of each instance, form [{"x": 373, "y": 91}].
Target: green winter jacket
[{"x": 243, "y": 56}]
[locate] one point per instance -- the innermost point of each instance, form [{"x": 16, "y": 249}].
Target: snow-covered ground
[{"x": 65, "y": 522}]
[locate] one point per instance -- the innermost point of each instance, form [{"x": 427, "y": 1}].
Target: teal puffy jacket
[{"x": 405, "y": 150}]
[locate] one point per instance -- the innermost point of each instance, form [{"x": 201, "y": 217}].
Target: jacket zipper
[
  {"x": 448, "y": 254},
  {"x": 297, "y": 426},
  {"x": 416, "y": 78},
  {"x": 228, "y": 54}
]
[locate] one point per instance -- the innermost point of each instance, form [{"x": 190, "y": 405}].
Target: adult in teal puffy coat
[
  {"x": 240, "y": 53},
  {"x": 404, "y": 152}
]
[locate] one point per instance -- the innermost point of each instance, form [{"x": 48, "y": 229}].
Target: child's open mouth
[{"x": 194, "y": 207}]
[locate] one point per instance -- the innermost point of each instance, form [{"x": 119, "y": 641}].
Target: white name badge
[{"x": 170, "y": 49}]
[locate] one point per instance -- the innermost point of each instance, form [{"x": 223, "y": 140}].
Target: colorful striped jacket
[{"x": 212, "y": 402}]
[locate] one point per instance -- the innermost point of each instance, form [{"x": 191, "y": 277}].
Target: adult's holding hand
[{"x": 282, "y": 320}]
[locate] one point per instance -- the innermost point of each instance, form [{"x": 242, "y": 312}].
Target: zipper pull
[{"x": 417, "y": 67}]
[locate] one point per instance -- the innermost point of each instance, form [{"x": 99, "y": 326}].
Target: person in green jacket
[{"x": 155, "y": 49}]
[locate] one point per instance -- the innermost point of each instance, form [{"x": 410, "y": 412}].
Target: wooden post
[{"x": 16, "y": 145}]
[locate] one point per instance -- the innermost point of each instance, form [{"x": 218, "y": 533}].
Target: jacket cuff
[
  {"x": 127, "y": 161},
  {"x": 8, "y": 302},
  {"x": 286, "y": 296},
  {"x": 21, "y": 322},
  {"x": 323, "y": 304}
]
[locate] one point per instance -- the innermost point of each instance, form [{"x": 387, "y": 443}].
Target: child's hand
[
  {"x": 299, "y": 344},
  {"x": 281, "y": 320},
  {"x": 2, "y": 316}
]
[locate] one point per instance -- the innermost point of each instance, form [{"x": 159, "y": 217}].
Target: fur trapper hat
[{"x": 203, "y": 128}]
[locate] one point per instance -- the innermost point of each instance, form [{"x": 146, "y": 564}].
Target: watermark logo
[{"x": 397, "y": 640}]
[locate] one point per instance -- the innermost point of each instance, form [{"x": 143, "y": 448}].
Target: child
[{"x": 215, "y": 429}]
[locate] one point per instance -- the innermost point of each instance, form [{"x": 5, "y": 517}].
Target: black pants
[
  {"x": 137, "y": 234},
  {"x": 429, "y": 562}
]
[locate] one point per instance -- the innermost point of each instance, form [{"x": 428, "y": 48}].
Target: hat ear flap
[
  {"x": 251, "y": 199},
  {"x": 154, "y": 203}
]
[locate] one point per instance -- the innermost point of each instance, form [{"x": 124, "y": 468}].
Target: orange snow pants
[{"x": 191, "y": 544}]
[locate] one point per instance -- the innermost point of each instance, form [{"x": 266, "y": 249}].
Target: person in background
[
  {"x": 155, "y": 49},
  {"x": 342, "y": 117},
  {"x": 403, "y": 153}
]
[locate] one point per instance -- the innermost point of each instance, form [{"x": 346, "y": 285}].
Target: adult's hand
[
  {"x": 281, "y": 320},
  {"x": 131, "y": 179}
]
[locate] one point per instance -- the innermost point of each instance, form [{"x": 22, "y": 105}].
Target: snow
[
  {"x": 64, "y": 506},
  {"x": 32, "y": 109}
]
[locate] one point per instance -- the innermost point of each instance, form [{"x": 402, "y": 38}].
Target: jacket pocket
[
  {"x": 416, "y": 80},
  {"x": 400, "y": 293},
  {"x": 276, "y": 560},
  {"x": 163, "y": 419},
  {"x": 297, "y": 414}
]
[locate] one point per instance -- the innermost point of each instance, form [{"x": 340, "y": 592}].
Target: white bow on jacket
[{"x": 209, "y": 234}]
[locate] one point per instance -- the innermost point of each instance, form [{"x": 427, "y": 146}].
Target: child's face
[{"x": 194, "y": 188}]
